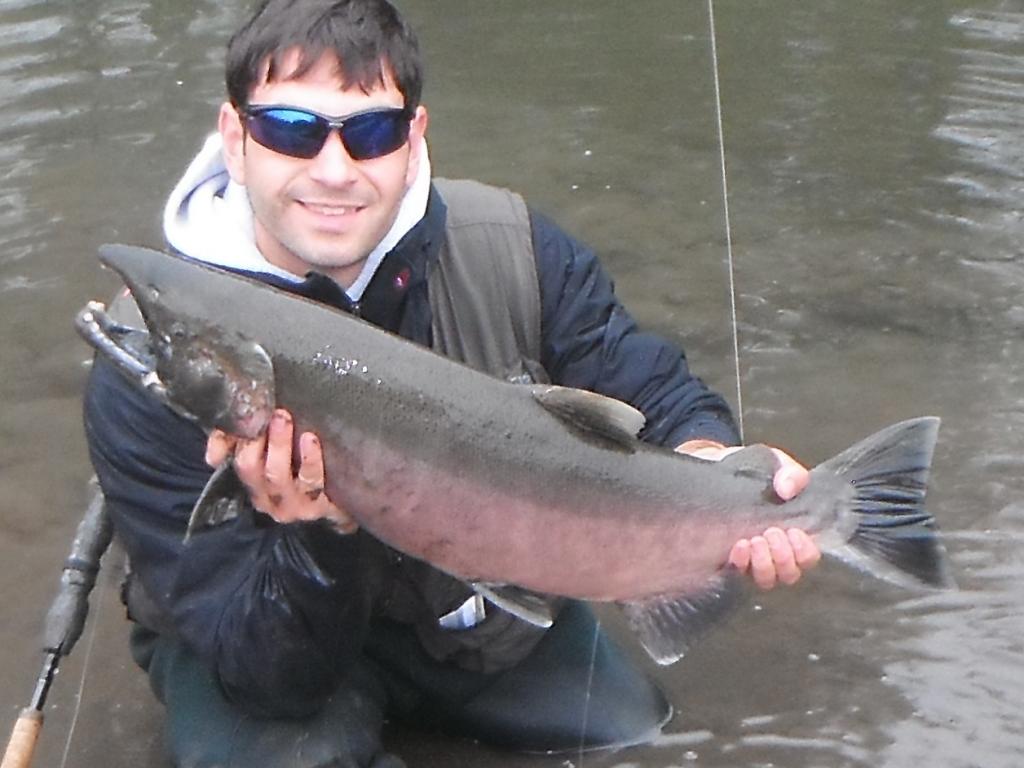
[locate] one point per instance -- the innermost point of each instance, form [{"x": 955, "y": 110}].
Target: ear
[
  {"x": 232, "y": 134},
  {"x": 417, "y": 132}
]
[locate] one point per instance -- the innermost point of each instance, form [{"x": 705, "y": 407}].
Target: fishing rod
[{"x": 64, "y": 623}]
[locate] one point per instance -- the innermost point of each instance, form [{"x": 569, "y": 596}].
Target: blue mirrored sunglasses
[{"x": 302, "y": 132}]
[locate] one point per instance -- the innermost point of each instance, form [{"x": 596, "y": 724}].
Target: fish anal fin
[
  {"x": 669, "y": 625},
  {"x": 529, "y": 606},
  {"x": 596, "y": 416}
]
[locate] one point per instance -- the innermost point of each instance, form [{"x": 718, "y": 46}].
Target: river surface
[{"x": 875, "y": 172}]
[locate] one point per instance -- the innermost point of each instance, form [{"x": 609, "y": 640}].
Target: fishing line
[
  {"x": 733, "y": 315},
  {"x": 725, "y": 208},
  {"x": 85, "y": 668},
  {"x": 590, "y": 685}
]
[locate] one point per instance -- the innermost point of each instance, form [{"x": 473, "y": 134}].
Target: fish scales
[{"x": 396, "y": 467}]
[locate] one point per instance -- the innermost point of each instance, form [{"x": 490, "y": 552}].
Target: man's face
[{"x": 330, "y": 211}]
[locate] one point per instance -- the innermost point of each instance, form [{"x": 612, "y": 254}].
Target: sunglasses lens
[
  {"x": 375, "y": 134},
  {"x": 291, "y": 132},
  {"x": 298, "y": 133}
]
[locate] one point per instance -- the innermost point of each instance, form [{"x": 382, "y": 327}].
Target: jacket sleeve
[
  {"x": 276, "y": 611},
  {"x": 590, "y": 341}
]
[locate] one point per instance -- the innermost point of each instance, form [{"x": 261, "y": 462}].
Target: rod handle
[{"x": 24, "y": 736}]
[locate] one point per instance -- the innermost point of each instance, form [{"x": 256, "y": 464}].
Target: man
[{"x": 286, "y": 636}]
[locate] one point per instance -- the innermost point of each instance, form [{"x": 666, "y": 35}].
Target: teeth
[{"x": 330, "y": 210}]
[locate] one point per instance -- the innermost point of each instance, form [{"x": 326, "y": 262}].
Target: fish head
[{"x": 222, "y": 379}]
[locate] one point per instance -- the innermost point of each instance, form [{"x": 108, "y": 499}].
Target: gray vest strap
[
  {"x": 485, "y": 307},
  {"x": 484, "y": 296}
]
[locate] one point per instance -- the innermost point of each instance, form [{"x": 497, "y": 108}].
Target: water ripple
[
  {"x": 986, "y": 110},
  {"x": 31, "y": 31}
]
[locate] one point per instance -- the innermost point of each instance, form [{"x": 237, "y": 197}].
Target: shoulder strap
[{"x": 484, "y": 295}]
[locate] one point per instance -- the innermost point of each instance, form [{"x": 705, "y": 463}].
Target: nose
[{"x": 333, "y": 166}]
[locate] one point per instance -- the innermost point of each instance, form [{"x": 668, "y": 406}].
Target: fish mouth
[
  {"x": 124, "y": 333},
  {"x": 129, "y": 349},
  {"x": 207, "y": 374}
]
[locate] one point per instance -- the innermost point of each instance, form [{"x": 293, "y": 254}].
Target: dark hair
[{"x": 368, "y": 37}]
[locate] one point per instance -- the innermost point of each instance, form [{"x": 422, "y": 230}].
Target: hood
[{"x": 208, "y": 217}]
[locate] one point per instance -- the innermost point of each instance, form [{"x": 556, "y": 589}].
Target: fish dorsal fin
[
  {"x": 595, "y": 416},
  {"x": 669, "y": 625},
  {"x": 757, "y": 461}
]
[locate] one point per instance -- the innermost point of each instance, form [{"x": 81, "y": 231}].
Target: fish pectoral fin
[
  {"x": 529, "y": 606},
  {"x": 605, "y": 418},
  {"x": 222, "y": 499},
  {"x": 669, "y": 625}
]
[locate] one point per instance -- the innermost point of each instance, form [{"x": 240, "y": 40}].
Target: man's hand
[
  {"x": 264, "y": 465},
  {"x": 777, "y": 555}
]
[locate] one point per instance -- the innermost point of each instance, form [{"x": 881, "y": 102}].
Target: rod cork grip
[{"x": 24, "y": 736}]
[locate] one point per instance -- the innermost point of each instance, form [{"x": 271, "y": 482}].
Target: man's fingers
[
  {"x": 762, "y": 568},
  {"x": 311, "y": 466},
  {"x": 219, "y": 445},
  {"x": 739, "y": 556},
  {"x": 805, "y": 551},
  {"x": 278, "y": 468},
  {"x": 790, "y": 478},
  {"x": 786, "y": 569},
  {"x": 707, "y": 449},
  {"x": 264, "y": 465},
  {"x": 250, "y": 458},
  {"x": 310, "y": 481},
  {"x": 776, "y": 556}
]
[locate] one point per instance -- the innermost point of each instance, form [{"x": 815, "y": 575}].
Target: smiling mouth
[{"x": 332, "y": 210}]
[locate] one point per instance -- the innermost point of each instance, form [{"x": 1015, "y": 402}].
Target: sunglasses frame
[{"x": 333, "y": 123}]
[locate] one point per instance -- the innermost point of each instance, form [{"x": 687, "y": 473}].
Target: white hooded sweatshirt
[{"x": 208, "y": 217}]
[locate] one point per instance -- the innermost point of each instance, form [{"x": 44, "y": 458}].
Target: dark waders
[{"x": 555, "y": 700}]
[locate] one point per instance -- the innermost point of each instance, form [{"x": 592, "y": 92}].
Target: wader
[{"x": 494, "y": 678}]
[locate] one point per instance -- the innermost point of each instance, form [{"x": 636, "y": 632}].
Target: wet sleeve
[
  {"x": 277, "y": 611},
  {"x": 590, "y": 341}
]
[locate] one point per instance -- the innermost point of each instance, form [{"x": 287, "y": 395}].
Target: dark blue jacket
[{"x": 279, "y": 611}]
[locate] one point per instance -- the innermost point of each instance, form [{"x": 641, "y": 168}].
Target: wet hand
[
  {"x": 791, "y": 476},
  {"x": 265, "y": 465},
  {"x": 777, "y": 556}
]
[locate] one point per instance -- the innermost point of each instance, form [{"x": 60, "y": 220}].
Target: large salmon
[{"x": 542, "y": 487}]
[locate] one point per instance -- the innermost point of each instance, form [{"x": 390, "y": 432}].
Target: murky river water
[{"x": 875, "y": 174}]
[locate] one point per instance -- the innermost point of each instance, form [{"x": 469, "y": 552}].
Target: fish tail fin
[{"x": 895, "y": 537}]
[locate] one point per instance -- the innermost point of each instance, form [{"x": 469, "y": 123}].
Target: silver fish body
[{"x": 542, "y": 487}]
